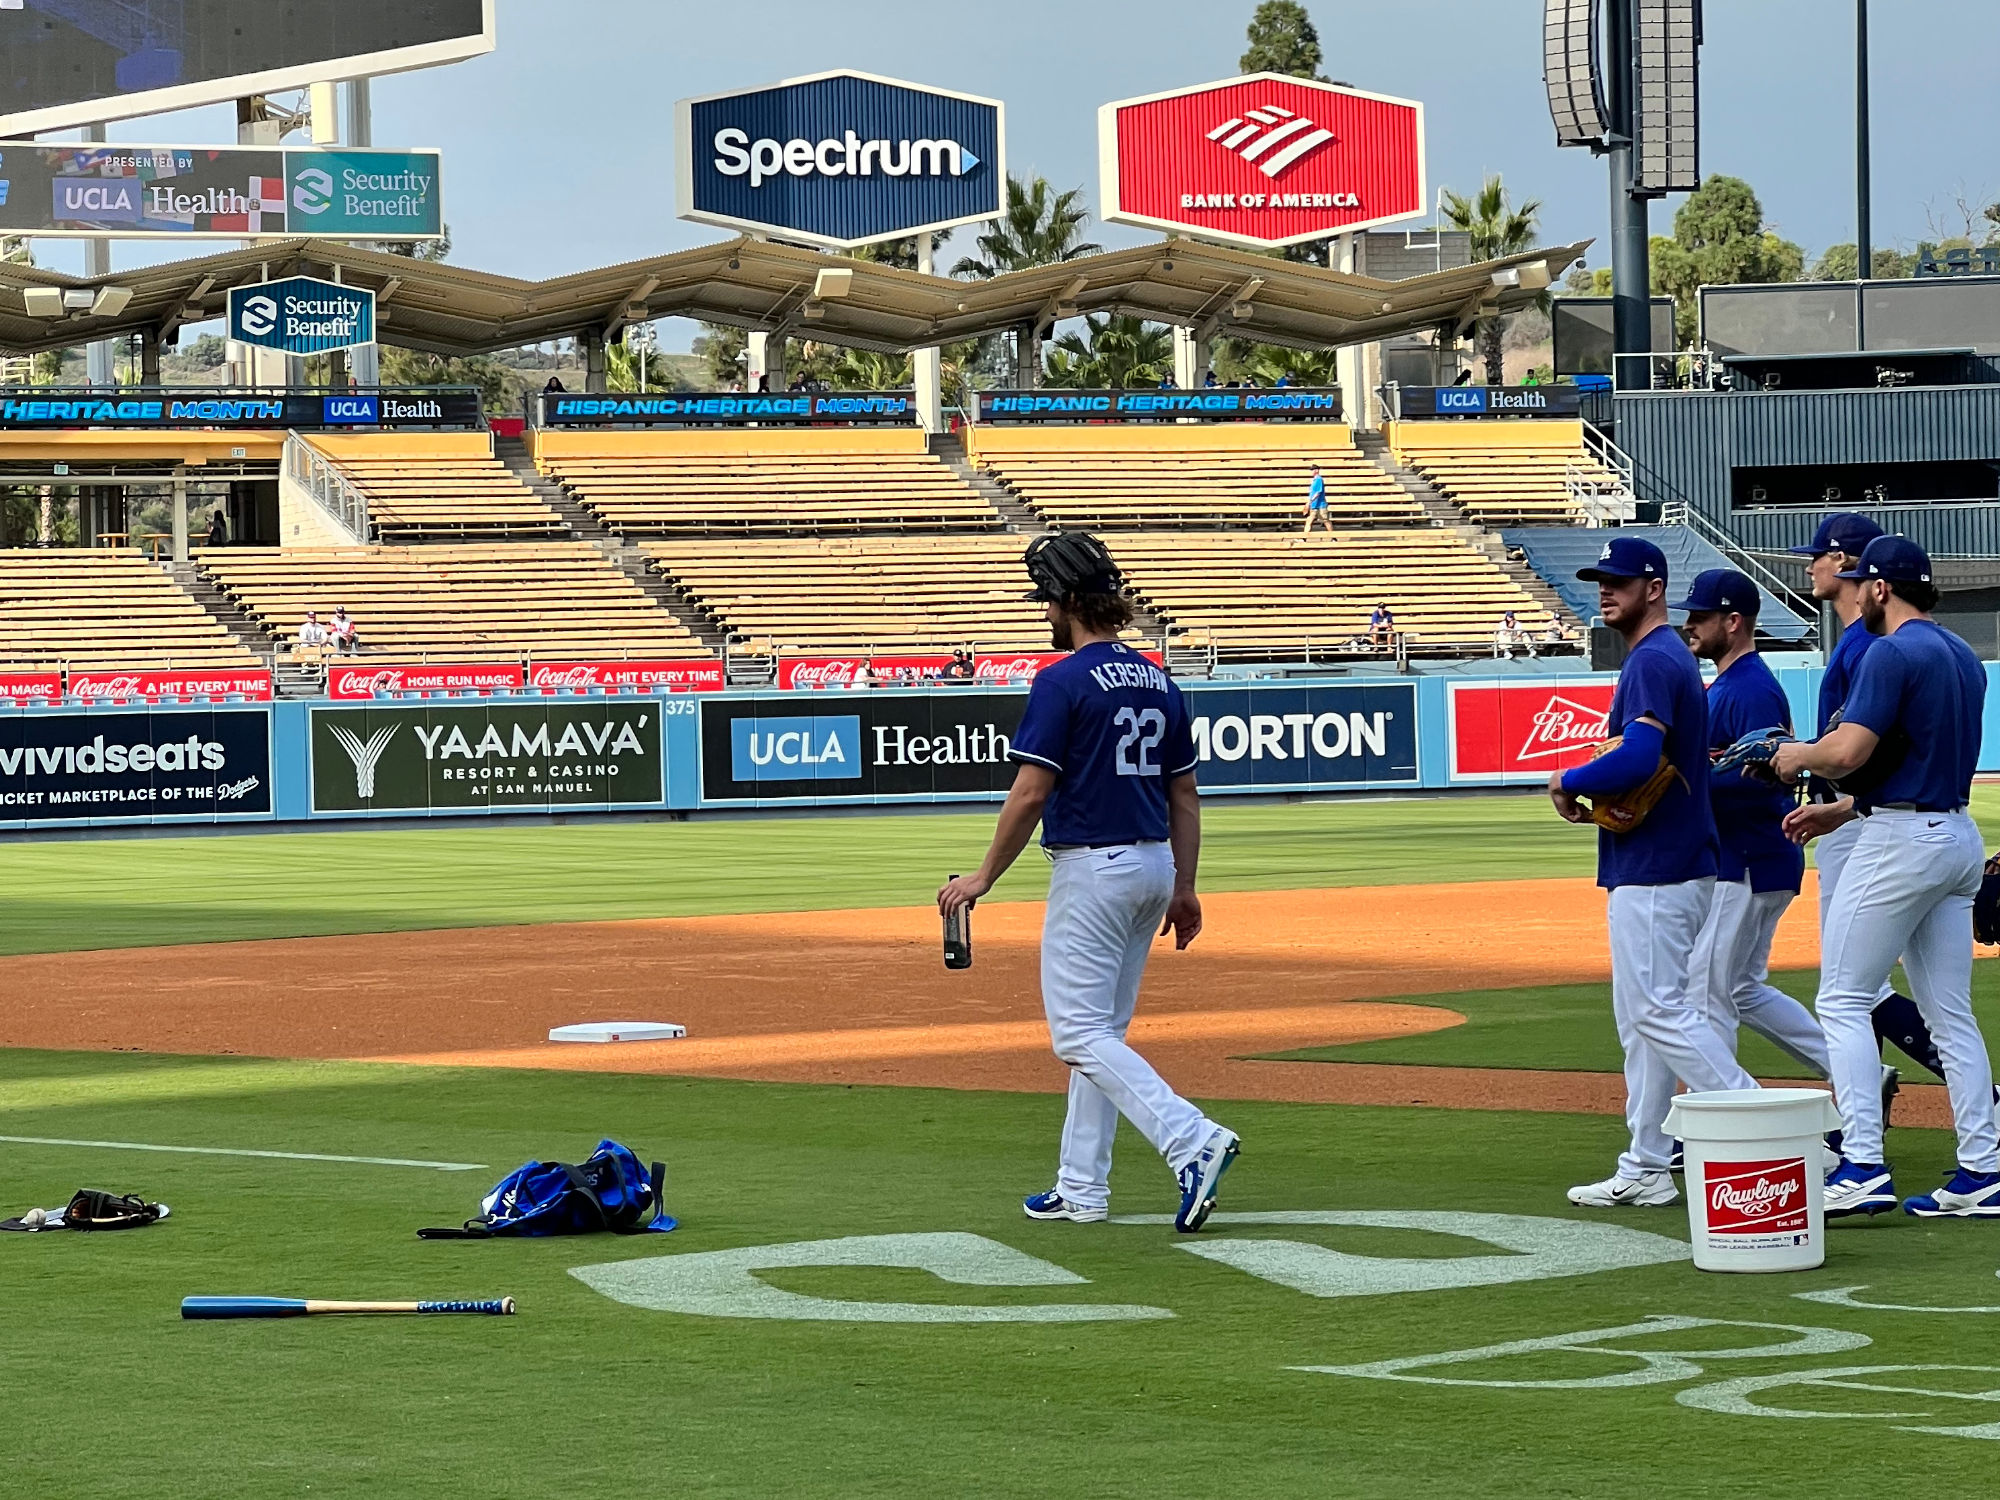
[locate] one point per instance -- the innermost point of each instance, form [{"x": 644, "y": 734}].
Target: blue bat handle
[{"x": 242, "y": 1307}]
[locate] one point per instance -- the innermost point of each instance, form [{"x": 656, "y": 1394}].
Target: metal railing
[
  {"x": 330, "y": 489},
  {"x": 1600, "y": 503},
  {"x": 1680, "y": 513}
]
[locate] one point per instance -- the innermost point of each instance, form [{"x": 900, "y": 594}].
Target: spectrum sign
[
  {"x": 840, "y": 159},
  {"x": 1265, "y": 160}
]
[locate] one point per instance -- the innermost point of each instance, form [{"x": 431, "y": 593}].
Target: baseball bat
[{"x": 300, "y": 1307}]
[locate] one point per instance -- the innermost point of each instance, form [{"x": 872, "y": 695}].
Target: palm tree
[
  {"x": 1116, "y": 352},
  {"x": 1494, "y": 228},
  {"x": 1040, "y": 228}
]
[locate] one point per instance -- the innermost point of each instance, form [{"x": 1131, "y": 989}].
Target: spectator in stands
[
  {"x": 312, "y": 635},
  {"x": 1464, "y": 377},
  {"x": 554, "y": 386},
  {"x": 961, "y": 669},
  {"x": 346, "y": 639},
  {"x": 1316, "y": 503},
  {"x": 218, "y": 529},
  {"x": 1283, "y": 381},
  {"x": 1210, "y": 382},
  {"x": 1509, "y": 635},
  {"x": 1382, "y": 626}
]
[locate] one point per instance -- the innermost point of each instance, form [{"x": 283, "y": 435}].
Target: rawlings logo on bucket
[{"x": 1756, "y": 1197}]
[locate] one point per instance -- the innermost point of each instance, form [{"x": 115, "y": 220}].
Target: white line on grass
[{"x": 369, "y": 1161}]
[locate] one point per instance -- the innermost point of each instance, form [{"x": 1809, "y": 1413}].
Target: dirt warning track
[{"x": 861, "y": 996}]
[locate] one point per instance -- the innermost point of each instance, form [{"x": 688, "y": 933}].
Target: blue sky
[{"x": 558, "y": 154}]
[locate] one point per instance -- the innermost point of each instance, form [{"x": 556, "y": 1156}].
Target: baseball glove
[
  {"x": 1986, "y": 906},
  {"x": 1752, "y": 754},
  {"x": 1625, "y": 812}
]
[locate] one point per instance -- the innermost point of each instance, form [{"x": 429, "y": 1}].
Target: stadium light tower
[{"x": 1622, "y": 78}]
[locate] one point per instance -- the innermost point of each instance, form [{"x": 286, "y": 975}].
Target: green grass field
[{"x": 1195, "y": 1385}]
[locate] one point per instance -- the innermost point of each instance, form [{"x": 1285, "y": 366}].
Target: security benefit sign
[
  {"x": 1263, "y": 160},
  {"x": 167, "y": 763},
  {"x": 839, "y": 159},
  {"x": 530, "y": 756},
  {"x": 302, "y": 315},
  {"x": 1297, "y": 739},
  {"x": 874, "y": 744}
]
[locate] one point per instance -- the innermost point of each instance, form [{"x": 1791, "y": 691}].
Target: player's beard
[
  {"x": 1874, "y": 613},
  {"x": 1062, "y": 635}
]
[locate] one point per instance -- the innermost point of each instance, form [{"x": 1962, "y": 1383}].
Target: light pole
[{"x": 641, "y": 339}]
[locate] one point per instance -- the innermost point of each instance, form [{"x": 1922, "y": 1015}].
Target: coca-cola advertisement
[
  {"x": 1756, "y": 1197},
  {"x": 358, "y": 681},
  {"x": 146, "y": 685},
  {"x": 23, "y": 686},
  {"x": 1000, "y": 669},
  {"x": 701, "y": 675},
  {"x": 1523, "y": 733}
]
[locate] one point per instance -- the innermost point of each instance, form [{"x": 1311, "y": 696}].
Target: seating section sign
[
  {"x": 499, "y": 757},
  {"x": 1211, "y": 404}
]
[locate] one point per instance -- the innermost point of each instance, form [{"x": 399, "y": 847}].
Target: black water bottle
[{"x": 958, "y": 937}]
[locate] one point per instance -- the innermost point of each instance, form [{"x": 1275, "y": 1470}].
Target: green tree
[
  {"x": 1114, "y": 351},
  {"x": 1282, "y": 39},
  {"x": 1839, "y": 263},
  {"x": 498, "y": 392},
  {"x": 621, "y": 369},
  {"x": 1494, "y": 227},
  {"x": 1041, "y": 227},
  {"x": 1720, "y": 239}
]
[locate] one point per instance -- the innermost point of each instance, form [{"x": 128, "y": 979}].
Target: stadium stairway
[
  {"x": 1556, "y": 552},
  {"x": 585, "y": 527},
  {"x": 950, "y": 448},
  {"x": 222, "y": 608},
  {"x": 1449, "y": 517}
]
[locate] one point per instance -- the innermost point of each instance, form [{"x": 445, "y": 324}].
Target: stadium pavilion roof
[{"x": 755, "y": 284}]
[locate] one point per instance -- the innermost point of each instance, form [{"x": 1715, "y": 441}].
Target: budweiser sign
[
  {"x": 19, "y": 685},
  {"x": 1523, "y": 733},
  {"x": 141, "y": 686},
  {"x": 1756, "y": 1197},
  {"x": 433, "y": 677},
  {"x": 694, "y": 676}
]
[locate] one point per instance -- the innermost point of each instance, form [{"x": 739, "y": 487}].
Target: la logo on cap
[{"x": 1605, "y": 555}]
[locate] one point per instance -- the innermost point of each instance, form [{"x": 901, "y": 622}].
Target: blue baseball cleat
[
  {"x": 1053, "y": 1205},
  {"x": 1969, "y": 1195},
  {"x": 1855, "y": 1188},
  {"x": 1200, "y": 1176}
]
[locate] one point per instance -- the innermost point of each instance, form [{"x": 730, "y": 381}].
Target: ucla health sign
[
  {"x": 302, "y": 315},
  {"x": 1489, "y": 401},
  {"x": 840, "y": 159}
]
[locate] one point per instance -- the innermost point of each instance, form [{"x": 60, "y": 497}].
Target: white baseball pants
[
  {"x": 1906, "y": 889},
  {"x": 1730, "y": 975},
  {"x": 1830, "y": 853},
  {"x": 1665, "y": 1033},
  {"x": 1105, "y": 908}
]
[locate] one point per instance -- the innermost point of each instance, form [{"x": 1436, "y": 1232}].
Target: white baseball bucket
[{"x": 1756, "y": 1164}]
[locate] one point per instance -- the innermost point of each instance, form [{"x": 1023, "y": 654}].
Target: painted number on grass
[{"x": 724, "y": 1283}]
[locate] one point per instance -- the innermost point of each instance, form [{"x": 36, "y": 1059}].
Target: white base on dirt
[
  {"x": 1756, "y": 1168},
  {"x": 618, "y": 1031}
]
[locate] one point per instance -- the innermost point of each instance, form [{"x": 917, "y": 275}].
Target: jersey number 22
[{"x": 1139, "y": 749}]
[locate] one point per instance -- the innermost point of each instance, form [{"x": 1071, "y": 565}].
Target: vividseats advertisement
[
  {"x": 160, "y": 764},
  {"x": 530, "y": 757}
]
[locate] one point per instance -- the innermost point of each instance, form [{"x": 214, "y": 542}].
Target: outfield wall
[{"x": 291, "y": 761}]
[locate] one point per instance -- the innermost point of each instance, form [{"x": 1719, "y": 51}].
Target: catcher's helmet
[{"x": 1070, "y": 562}]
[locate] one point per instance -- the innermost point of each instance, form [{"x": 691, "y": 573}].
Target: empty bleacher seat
[
  {"x": 1198, "y": 475},
  {"x": 448, "y": 485},
  {"x": 1503, "y": 472},
  {"x": 778, "y": 481},
  {"x": 98, "y": 608},
  {"x": 448, "y": 602},
  {"x": 1292, "y": 595}
]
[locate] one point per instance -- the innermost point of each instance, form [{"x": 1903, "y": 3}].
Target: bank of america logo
[
  {"x": 366, "y": 755},
  {"x": 1270, "y": 138}
]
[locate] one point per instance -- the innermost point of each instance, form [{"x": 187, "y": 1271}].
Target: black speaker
[{"x": 1607, "y": 649}]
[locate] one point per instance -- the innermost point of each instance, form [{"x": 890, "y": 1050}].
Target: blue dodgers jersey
[
  {"x": 1838, "y": 679},
  {"x": 1749, "y": 812},
  {"x": 1924, "y": 682},
  {"x": 1114, "y": 729},
  {"x": 1677, "y": 841}
]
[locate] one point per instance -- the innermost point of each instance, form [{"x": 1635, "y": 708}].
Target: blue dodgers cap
[
  {"x": 1843, "y": 531},
  {"x": 1721, "y": 588},
  {"x": 1626, "y": 557},
  {"x": 1894, "y": 559}
]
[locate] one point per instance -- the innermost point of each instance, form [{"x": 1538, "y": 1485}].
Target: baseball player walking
[
  {"x": 1911, "y": 725},
  {"x": 1107, "y": 768},
  {"x": 1836, "y": 547},
  {"x": 1660, "y": 874},
  {"x": 1759, "y": 869}
]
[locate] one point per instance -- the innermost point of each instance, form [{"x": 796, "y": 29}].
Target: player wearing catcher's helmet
[{"x": 1107, "y": 767}]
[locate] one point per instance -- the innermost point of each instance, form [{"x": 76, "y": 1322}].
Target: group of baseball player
[{"x": 1701, "y": 848}]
